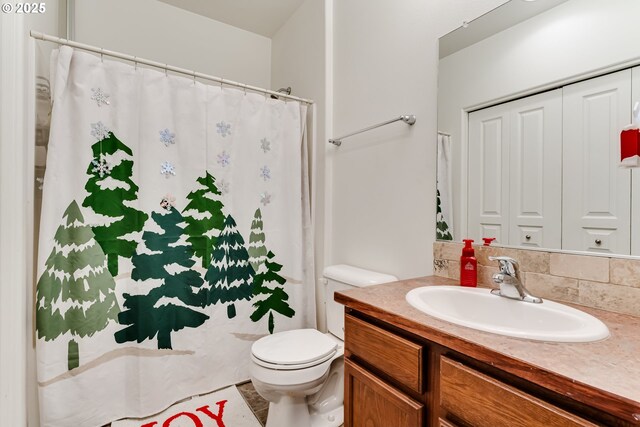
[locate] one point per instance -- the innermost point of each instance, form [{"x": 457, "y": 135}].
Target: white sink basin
[{"x": 478, "y": 309}]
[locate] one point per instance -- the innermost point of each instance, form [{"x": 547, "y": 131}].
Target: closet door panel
[
  {"x": 489, "y": 174},
  {"x": 635, "y": 175},
  {"x": 596, "y": 192},
  {"x": 535, "y": 206}
]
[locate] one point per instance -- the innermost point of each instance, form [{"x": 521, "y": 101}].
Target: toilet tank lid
[{"x": 355, "y": 276}]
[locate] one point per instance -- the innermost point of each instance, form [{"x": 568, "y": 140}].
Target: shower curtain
[
  {"x": 444, "y": 211},
  {"x": 175, "y": 232}
]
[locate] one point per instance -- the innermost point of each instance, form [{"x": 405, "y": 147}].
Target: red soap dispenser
[{"x": 468, "y": 265}]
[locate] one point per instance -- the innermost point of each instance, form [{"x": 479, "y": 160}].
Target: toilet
[{"x": 301, "y": 372}]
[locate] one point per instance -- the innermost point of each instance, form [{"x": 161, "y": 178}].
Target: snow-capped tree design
[
  {"x": 230, "y": 275},
  {"x": 442, "y": 228},
  {"x": 268, "y": 285},
  {"x": 75, "y": 293},
  {"x": 204, "y": 218},
  {"x": 257, "y": 250},
  {"x": 170, "y": 306},
  {"x": 108, "y": 196}
]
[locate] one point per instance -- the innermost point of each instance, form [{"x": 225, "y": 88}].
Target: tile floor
[{"x": 258, "y": 405}]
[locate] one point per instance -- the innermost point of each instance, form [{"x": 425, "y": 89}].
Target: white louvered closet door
[{"x": 596, "y": 192}]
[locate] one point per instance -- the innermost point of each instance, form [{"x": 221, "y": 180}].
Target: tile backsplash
[{"x": 611, "y": 284}]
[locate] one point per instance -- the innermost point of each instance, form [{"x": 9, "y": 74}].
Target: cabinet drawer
[
  {"x": 391, "y": 354},
  {"x": 482, "y": 401}
]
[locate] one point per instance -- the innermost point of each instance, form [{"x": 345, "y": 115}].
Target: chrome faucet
[{"x": 508, "y": 278}]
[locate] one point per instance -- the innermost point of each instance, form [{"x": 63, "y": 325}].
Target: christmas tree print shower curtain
[{"x": 175, "y": 232}]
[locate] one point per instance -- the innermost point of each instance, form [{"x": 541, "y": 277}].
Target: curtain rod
[
  {"x": 135, "y": 59},
  {"x": 409, "y": 119},
  {"x": 444, "y": 133}
]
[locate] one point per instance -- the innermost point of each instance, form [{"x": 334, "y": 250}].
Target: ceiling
[
  {"x": 499, "y": 19},
  {"x": 264, "y": 17}
]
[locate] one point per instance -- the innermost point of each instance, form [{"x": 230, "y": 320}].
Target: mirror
[{"x": 532, "y": 98}]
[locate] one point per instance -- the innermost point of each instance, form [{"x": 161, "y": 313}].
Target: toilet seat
[{"x": 296, "y": 349}]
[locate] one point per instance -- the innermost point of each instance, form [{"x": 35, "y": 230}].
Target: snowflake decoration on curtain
[
  {"x": 265, "y": 145},
  {"x": 223, "y": 186},
  {"x": 167, "y": 138},
  {"x": 168, "y": 202},
  {"x": 101, "y": 166},
  {"x": 100, "y": 97},
  {"x": 265, "y": 198},
  {"x": 99, "y": 131},
  {"x": 40, "y": 182},
  {"x": 167, "y": 169},
  {"x": 265, "y": 173},
  {"x": 224, "y": 159},
  {"x": 224, "y": 129}
]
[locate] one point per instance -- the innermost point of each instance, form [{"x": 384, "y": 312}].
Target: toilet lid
[{"x": 297, "y": 347}]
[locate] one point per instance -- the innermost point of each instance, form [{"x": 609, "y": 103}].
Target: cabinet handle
[
  {"x": 598, "y": 242},
  {"x": 528, "y": 237}
]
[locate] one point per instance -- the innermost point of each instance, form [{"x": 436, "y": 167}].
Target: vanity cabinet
[{"x": 394, "y": 378}]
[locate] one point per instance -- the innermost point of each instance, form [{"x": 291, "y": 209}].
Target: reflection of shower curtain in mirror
[
  {"x": 175, "y": 232},
  {"x": 444, "y": 215}
]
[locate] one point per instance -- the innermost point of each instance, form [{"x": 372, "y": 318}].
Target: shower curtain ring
[
  {"x": 221, "y": 80},
  {"x": 101, "y": 54},
  {"x": 135, "y": 63},
  {"x": 166, "y": 71},
  {"x": 245, "y": 90},
  {"x": 194, "y": 77}
]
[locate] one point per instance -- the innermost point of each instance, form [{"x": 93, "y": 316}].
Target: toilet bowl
[{"x": 301, "y": 372}]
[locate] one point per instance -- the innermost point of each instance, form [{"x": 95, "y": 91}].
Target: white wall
[
  {"x": 298, "y": 59},
  {"x": 154, "y": 30},
  {"x": 574, "y": 38},
  {"x": 383, "y": 182}
]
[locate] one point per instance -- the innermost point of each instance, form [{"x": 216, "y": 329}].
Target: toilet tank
[{"x": 342, "y": 277}]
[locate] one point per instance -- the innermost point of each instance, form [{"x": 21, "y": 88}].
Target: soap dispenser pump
[{"x": 468, "y": 265}]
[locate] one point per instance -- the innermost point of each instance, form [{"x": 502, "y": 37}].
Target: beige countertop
[{"x": 603, "y": 374}]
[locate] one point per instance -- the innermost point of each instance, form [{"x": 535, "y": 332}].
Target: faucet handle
[{"x": 507, "y": 264}]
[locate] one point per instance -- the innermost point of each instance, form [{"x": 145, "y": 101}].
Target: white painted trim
[
  {"x": 329, "y": 148},
  {"x": 14, "y": 218}
]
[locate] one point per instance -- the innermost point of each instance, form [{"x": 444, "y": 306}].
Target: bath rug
[{"x": 222, "y": 408}]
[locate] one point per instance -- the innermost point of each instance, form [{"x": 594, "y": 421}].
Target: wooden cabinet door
[
  {"x": 596, "y": 192},
  {"x": 370, "y": 402}
]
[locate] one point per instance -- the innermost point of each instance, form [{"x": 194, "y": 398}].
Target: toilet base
[
  {"x": 334, "y": 418},
  {"x": 289, "y": 411}
]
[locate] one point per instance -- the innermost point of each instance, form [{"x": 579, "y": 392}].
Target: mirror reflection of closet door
[
  {"x": 515, "y": 160},
  {"x": 488, "y": 197},
  {"x": 535, "y": 208},
  {"x": 596, "y": 192},
  {"x": 635, "y": 175}
]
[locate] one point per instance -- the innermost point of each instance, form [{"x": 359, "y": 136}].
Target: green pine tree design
[
  {"x": 257, "y": 250},
  {"x": 230, "y": 274},
  {"x": 107, "y": 196},
  {"x": 76, "y": 291},
  {"x": 269, "y": 283},
  {"x": 168, "y": 307},
  {"x": 442, "y": 228},
  {"x": 204, "y": 218}
]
